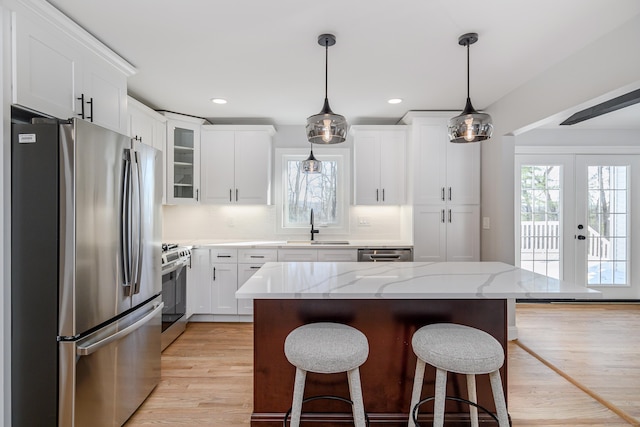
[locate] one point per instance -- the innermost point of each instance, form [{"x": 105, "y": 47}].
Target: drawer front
[
  {"x": 297, "y": 255},
  {"x": 224, "y": 255},
  {"x": 257, "y": 256},
  {"x": 338, "y": 255}
]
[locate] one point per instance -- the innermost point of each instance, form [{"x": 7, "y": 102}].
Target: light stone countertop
[
  {"x": 298, "y": 243},
  {"x": 405, "y": 280}
]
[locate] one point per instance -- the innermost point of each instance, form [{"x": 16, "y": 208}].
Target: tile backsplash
[{"x": 217, "y": 222}]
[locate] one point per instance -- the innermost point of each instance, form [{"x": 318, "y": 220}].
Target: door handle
[
  {"x": 81, "y": 99},
  {"x": 581, "y": 237},
  {"x": 90, "y": 117},
  {"x": 92, "y": 348}
]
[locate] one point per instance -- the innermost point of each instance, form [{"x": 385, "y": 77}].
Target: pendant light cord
[
  {"x": 326, "y": 68},
  {"x": 468, "y": 70}
]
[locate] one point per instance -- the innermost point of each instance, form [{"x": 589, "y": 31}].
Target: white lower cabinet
[
  {"x": 224, "y": 283},
  {"x": 446, "y": 233},
  {"x": 216, "y": 275},
  {"x": 250, "y": 261},
  {"x": 198, "y": 283}
]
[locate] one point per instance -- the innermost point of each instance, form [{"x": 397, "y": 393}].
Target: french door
[{"x": 575, "y": 220}]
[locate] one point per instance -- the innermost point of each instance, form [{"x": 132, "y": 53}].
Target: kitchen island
[{"x": 388, "y": 302}]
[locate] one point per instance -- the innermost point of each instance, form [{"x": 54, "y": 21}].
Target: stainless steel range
[{"x": 175, "y": 260}]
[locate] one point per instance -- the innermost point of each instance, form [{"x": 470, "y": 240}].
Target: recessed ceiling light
[
  {"x": 395, "y": 101},
  {"x": 218, "y": 100}
]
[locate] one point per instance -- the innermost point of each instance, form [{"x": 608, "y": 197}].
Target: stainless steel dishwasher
[{"x": 385, "y": 255}]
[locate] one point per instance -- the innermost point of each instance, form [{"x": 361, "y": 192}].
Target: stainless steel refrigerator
[{"x": 85, "y": 274}]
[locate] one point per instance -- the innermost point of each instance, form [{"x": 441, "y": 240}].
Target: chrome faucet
[{"x": 313, "y": 231}]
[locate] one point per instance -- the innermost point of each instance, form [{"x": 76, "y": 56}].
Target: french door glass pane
[
  {"x": 540, "y": 214},
  {"x": 608, "y": 227}
]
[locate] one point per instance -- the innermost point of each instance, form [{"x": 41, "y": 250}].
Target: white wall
[
  {"x": 607, "y": 68},
  {"x": 210, "y": 222}
]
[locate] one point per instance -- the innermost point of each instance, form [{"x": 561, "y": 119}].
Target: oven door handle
[{"x": 179, "y": 264}]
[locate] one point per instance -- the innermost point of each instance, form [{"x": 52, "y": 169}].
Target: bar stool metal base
[
  {"x": 309, "y": 399},
  {"x": 414, "y": 411}
]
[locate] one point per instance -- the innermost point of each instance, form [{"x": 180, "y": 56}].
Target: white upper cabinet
[
  {"x": 236, "y": 164},
  {"x": 443, "y": 171},
  {"x": 183, "y": 158},
  {"x": 61, "y": 70},
  {"x": 379, "y": 164},
  {"x": 149, "y": 127}
]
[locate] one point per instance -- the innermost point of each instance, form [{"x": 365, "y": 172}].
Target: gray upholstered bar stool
[
  {"x": 463, "y": 350},
  {"x": 327, "y": 348}
]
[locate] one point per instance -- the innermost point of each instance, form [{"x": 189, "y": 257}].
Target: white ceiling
[{"x": 263, "y": 56}]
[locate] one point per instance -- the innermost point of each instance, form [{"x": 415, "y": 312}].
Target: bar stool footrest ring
[
  {"x": 414, "y": 412},
  {"x": 309, "y": 399}
]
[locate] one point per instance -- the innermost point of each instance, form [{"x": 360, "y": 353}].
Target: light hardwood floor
[{"x": 573, "y": 365}]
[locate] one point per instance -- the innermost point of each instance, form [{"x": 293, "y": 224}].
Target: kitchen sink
[{"x": 318, "y": 242}]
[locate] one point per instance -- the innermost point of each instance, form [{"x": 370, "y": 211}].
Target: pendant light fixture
[
  {"x": 311, "y": 164},
  {"x": 470, "y": 125},
  {"x": 326, "y": 127}
]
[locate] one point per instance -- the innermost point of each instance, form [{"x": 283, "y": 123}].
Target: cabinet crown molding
[
  {"x": 48, "y": 12},
  {"x": 266, "y": 128}
]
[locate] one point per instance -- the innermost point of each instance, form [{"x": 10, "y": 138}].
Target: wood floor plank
[{"x": 207, "y": 373}]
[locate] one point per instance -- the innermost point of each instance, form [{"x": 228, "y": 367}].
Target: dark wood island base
[{"x": 387, "y": 375}]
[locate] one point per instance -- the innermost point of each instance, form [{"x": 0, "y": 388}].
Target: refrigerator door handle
[
  {"x": 125, "y": 243},
  {"x": 92, "y": 348},
  {"x": 138, "y": 271}
]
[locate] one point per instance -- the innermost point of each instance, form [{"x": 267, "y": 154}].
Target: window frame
[{"x": 343, "y": 158}]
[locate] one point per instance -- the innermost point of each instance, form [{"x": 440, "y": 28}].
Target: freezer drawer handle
[{"x": 92, "y": 348}]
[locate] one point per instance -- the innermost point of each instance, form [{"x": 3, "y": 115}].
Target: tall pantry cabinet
[{"x": 446, "y": 191}]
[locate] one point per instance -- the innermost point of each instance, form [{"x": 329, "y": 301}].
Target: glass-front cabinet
[{"x": 183, "y": 159}]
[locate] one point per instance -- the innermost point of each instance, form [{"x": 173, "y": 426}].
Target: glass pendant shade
[
  {"x": 311, "y": 164},
  {"x": 470, "y": 125},
  {"x": 326, "y": 127}
]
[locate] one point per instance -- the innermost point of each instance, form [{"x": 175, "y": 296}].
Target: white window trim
[{"x": 343, "y": 190}]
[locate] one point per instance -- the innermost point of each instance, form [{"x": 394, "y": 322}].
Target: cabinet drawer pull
[
  {"x": 255, "y": 267},
  {"x": 256, "y": 256},
  {"x": 223, "y": 256}
]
